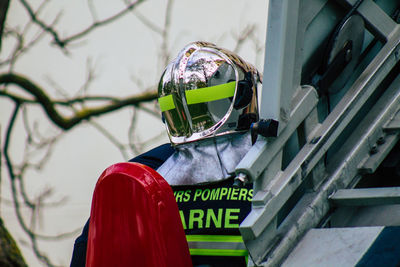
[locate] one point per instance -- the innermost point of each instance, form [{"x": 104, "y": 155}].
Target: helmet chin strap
[
  {"x": 244, "y": 92},
  {"x": 210, "y": 160},
  {"x": 224, "y": 171}
]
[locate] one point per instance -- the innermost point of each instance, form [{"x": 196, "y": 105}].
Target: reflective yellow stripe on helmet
[
  {"x": 166, "y": 103},
  {"x": 201, "y": 95},
  {"x": 211, "y": 93}
]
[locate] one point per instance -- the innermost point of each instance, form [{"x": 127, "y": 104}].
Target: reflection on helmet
[{"x": 198, "y": 90}]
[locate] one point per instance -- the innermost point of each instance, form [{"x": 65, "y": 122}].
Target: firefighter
[{"x": 208, "y": 99}]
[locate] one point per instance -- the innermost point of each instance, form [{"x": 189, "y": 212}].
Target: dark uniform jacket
[{"x": 208, "y": 212}]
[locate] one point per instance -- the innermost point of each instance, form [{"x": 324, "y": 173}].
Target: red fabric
[{"x": 135, "y": 220}]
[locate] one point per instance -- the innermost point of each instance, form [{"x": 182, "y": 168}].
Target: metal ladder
[{"x": 295, "y": 194}]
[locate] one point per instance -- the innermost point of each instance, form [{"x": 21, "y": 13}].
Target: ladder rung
[
  {"x": 366, "y": 196},
  {"x": 394, "y": 124}
]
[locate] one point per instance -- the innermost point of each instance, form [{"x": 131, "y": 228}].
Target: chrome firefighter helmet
[{"x": 207, "y": 91}]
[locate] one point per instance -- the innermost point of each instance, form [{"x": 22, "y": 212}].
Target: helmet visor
[{"x": 198, "y": 100}]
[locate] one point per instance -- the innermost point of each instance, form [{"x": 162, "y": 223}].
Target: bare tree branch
[
  {"x": 165, "y": 34},
  {"x": 84, "y": 114},
  {"x": 92, "y": 10},
  {"x": 243, "y": 36},
  {"x": 131, "y": 134},
  {"x": 148, "y": 23},
  {"x": 121, "y": 147},
  {"x": 3, "y": 14},
  {"x": 40, "y": 23},
  {"x": 22, "y": 46},
  {"x": 11, "y": 173},
  {"x": 24, "y": 92},
  {"x": 63, "y": 42}
]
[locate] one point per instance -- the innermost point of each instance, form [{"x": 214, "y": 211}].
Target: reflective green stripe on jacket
[{"x": 216, "y": 245}]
